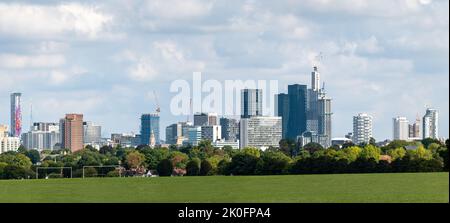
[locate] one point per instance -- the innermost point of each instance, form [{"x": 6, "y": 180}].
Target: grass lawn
[{"x": 392, "y": 187}]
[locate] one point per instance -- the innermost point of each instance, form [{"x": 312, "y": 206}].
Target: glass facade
[{"x": 149, "y": 123}]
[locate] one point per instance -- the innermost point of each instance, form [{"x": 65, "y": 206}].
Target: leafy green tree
[
  {"x": 205, "y": 168},
  {"x": 288, "y": 147},
  {"x": 107, "y": 150},
  {"x": 243, "y": 163},
  {"x": 16, "y": 159},
  {"x": 154, "y": 156},
  {"x": 427, "y": 141},
  {"x": 193, "y": 167},
  {"x": 34, "y": 155},
  {"x": 397, "y": 153},
  {"x": 274, "y": 163},
  {"x": 135, "y": 159},
  {"x": 90, "y": 172},
  {"x": 348, "y": 144},
  {"x": 372, "y": 141},
  {"x": 179, "y": 159},
  {"x": 312, "y": 147},
  {"x": 370, "y": 152},
  {"x": 443, "y": 152},
  {"x": 350, "y": 153},
  {"x": 420, "y": 153},
  {"x": 251, "y": 151},
  {"x": 434, "y": 147},
  {"x": 165, "y": 168}
]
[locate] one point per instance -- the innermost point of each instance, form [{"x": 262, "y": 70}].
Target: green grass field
[{"x": 398, "y": 187}]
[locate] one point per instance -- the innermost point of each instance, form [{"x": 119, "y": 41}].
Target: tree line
[{"x": 429, "y": 155}]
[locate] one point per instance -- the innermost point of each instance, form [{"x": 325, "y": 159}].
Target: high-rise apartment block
[
  {"x": 251, "y": 103},
  {"x": 430, "y": 124},
  {"x": 16, "y": 115},
  {"x": 230, "y": 129},
  {"x": 414, "y": 129},
  {"x": 72, "y": 133},
  {"x": 92, "y": 133},
  {"x": 400, "y": 128},
  {"x": 260, "y": 132},
  {"x": 362, "y": 128}
]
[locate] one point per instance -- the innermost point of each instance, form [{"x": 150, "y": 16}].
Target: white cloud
[
  {"x": 143, "y": 70},
  {"x": 14, "y": 61},
  {"x": 32, "y": 21},
  {"x": 177, "y": 9}
]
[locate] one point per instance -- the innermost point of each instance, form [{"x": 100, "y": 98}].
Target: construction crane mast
[{"x": 158, "y": 108}]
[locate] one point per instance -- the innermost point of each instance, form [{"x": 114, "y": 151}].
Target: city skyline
[{"x": 385, "y": 64}]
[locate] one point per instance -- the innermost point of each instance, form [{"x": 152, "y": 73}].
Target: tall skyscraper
[
  {"x": 282, "y": 110},
  {"x": 324, "y": 118},
  {"x": 16, "y": 115},
  {"x": 149, "y": 123},
  {"x": 260, "y": 132},
  {"x": 72, "y": 132},
  {"x": 92, "y": 133},
  {"x": 230, "y": 129},
  {"x": 400, "y": 129},
  {"x": 430, "y": 124},
  {"x": 362, "y": 128},
  {"x": 315, "y": 79},
  {"x": 251, "y": 103},
  {"x": 296, "y": 122},
  {"x": 414, "y": 129}
]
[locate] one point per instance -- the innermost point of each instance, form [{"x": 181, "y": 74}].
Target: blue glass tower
[
  {"x": 296, "y": 122},
  {"x": 282, "y": 110},
  {"x": 149, "y": 123}
]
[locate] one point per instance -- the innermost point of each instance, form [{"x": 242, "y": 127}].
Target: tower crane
[{"x": 158, "y": 108}]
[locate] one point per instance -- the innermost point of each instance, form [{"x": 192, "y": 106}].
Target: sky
[{"x": 104, "y": 59}]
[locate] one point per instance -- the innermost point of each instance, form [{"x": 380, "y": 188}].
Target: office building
[
  {"x": 3, "y": 131},
  {"x": 324, "y": 118},
  {"x": 430, "y": 126},
  {"x": 282, "y": 110},
  {"x": 251, "y": 103},
  {"x": 195, "y": 135},
  {"x": 400, "y": 129},
  {"x": 16, "y": 115},
  {"x": 211, "y": 132},
  {"x": 71, "y": 128},
  {"x": 230, "y": 129},
  {"x": 177, "y": 133},
  {"x": 45, "y": 126},
  {"x": 222, "y": 143},
  {"x": 42, "y": 136},
  {"x": 9, "y": 144},
  {"x": 414, "y": 129},
  {"x": 149, "y": 124},
  {"x": 311, "y": 137},
  {"x": 296, "y": 122},
  {"x": 260, "y": 132},
  {"x": 126, "y": 139},
  {"x": 92, "y": 133},
  {"x": 362, "y": 128},
  {"x": 203, "y": 119}
]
